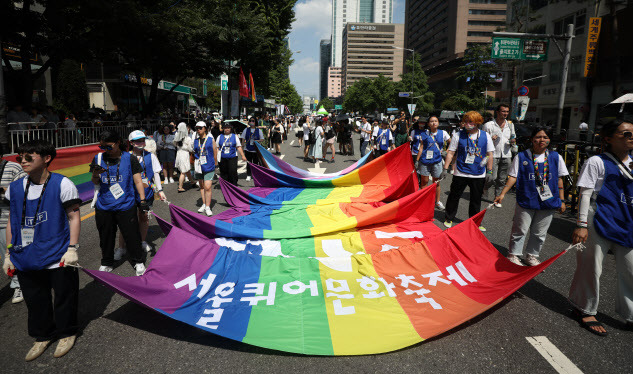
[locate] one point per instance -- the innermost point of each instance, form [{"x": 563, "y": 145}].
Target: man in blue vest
[
  {"x": 229, "y": 146},
  {"x": 249, "y": 136},
  {"x": 43, "y": 238}
]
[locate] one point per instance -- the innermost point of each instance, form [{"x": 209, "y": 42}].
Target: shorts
[
  {"x": 205, "y": 176},
  {"x": 167, "y": 156},
  {"x": 434, "y": 170},
  {"x": 300, "y": 134}
]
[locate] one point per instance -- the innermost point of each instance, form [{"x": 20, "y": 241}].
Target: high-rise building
[
  {"x": 334, "y": 82},
  {"x": 368, "y": 50},
  {"x": 441, "y": 30},
  {"x": 324, "y": 63},
  {"x": 345, "y": 11}
]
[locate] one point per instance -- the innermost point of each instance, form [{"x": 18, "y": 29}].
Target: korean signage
[
  {"x": 369, "y": 27},
  {"x": 519, "y": 49},
  {"x": 224, "y": 79},
  {"x": 592, "y": 45},
  {"x": 168, "y": 86}
]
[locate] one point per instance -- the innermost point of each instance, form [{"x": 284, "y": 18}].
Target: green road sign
[
  {"x": 520, "y": 49},
  {"x": 224, "y": 79},
  {"x": 338, "y": 107}
]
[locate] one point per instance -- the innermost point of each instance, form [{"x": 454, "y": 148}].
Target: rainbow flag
[
  {"x": 332, "y": 303},
  {"x": 73, "y": 162},
  {"x": 276, "y": 164}
]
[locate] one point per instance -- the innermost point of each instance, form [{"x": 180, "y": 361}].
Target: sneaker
[
  {"x": 248, "y": 178},
  {"x": 118, "y": 254},
  {"x": 439, "y": 205},
  {"x": 140, "y": 269},
  {"x": 106, "y": 268},
  {"x": 514, "y": 259},
  {"x": 64, "y": 346},
  {"x": 208, "y": 211},
  {"x": 146, "y": 247},
  {"x": 166, "y": 181},
  {"x": 482, "y": 229},
  {"x": 498, "y": 205},
  {"x": 532, "y": 260},
  {"x": 37, "y": 350},
  {"x": 201, "y": 209},
  {"x": 448, "y": 224},
  {"x": 17, "y": 296},
  {"x": 171, "y": 180}
]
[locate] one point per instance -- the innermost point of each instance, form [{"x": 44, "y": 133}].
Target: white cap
[
  {"x": 201, "y": 124},
  {"x": 136, "y": 135}
]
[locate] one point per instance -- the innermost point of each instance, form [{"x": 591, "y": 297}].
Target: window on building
[
  {"x": 488, "y": 12},
  {"x": 579, "y": 20},
  {"x": 555, "y": 69},
  {"x": 480, "y": 33},
  {"x": 576, "y": 68},
  {"x": 488, "y": 1}
]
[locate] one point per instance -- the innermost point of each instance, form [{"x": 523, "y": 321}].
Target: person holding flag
[
  {"x": 229, "y": 146},
  {"x": 205, "y": 152},
  {"x": 383, "y": 138},
  {"x": 429, "y": 158}
]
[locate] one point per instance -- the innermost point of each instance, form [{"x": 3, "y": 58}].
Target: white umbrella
[{"x": 624, "y": 99}]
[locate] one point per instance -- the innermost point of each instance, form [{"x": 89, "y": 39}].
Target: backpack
[{"x": 311, "y": 137}]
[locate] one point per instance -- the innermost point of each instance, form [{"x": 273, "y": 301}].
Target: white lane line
[
  {"x": 292, "y": 142},
  {"x": 282, "y": 157},
  {"x": 553, "y": 355}
]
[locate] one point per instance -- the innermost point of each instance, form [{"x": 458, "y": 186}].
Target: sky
[{"x": 313, "y": 23}]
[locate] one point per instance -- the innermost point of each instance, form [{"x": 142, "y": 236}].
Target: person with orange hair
[{"x": 473, "y": 151}]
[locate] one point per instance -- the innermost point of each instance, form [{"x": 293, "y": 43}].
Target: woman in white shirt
[
  {"x": 184, "y": 147},
  {"x": 166, "y": 152},
  {"x": 316, "y": 150}
]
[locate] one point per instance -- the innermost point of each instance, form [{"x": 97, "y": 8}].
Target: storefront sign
[{"x": 592, "y": 45}]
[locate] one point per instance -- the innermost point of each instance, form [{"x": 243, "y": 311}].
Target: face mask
[
  {"x": 138, "y": 146},
  {"x": 469, "y": 127}
]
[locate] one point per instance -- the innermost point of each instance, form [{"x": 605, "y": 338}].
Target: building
[
  {"x": 324, "y": 64},
  {"x": 365, "y": 11},
  {"x": 334, "y": 82},
  {"x": 368, "y": 50},
  {"x": 441, "y": 30},
  {"x": 585, "y": 96}
]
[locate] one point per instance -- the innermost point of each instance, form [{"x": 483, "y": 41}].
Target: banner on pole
[{"x": 592, "y": 45}]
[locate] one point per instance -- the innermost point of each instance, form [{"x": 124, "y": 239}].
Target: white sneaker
[
  {"x": 146, "y": 247},
  {"x": 171, "y": 180},
  {"x": 514, "y": 259},
  {"x": 248, "y": 178},
  {"x": 140, "y": 269},
  {"x": 118, "y": 254},
  {"x": 448, "y": 224},
  {"x": 208, "y": 211},
  {"x": 17, "y": 296},
  {"x": 532, "y": 260},
  {"x": 106, "y": 268},
  {"x": 201, "y": 209},
  {"x": 439, "y": 205},
  {"x": 498, "y": 205},
  {"x": 166, "y": 181}
]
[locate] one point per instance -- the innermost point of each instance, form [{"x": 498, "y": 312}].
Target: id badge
[
  {"x": 27, "y": 236},
  {"x": 470, "y": 159},
  {"x": 203, "y": 160},
  {"x": 545, "y": 193},
  {"x": 227, "y": 150},
  {"x": 429, "y": 155},
  {"x": 117, "y": 191},
  {"x": 384, "y": 141},
  {"x": 145, "y": 182},
  {"x": 251, "y": 142}
]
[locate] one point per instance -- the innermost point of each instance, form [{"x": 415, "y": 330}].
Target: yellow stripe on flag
[{"x": 74, "y": 170}]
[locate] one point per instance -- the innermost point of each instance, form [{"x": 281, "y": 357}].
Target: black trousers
[
  {"x": 51, "y": 317},
  {"x": 251, "y": 157},
  {"x": 458, "y": 185},
  {"x": 127, "y": 222},
  {"x": 228, "y": 169}
]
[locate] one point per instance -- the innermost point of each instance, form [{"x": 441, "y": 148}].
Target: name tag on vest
[
  {"x": 203, "y": 160},
  {"x": 27, "y": 236},
  {"x": 544, "y": 193},
  {"x": 470, "y": 159},
  {"x": 117, "y": 191},
  {"x": 429, "y": 154}
]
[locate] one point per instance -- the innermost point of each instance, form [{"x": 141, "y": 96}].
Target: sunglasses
[
  {"x": 27, "y": 158},
  {"x": 627, "y": 134},
  {"x": 106, "y": 147}
]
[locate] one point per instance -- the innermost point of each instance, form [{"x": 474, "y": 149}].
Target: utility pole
[{"x": 563, "y": 78}]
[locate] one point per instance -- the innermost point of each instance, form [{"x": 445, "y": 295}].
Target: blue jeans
[{"x": 363, "y": 148}]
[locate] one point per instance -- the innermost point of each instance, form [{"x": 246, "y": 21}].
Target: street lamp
[{"x": 412, "y": 72}]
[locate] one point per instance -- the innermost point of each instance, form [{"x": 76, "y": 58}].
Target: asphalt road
[{"x": 118, "y": 336}]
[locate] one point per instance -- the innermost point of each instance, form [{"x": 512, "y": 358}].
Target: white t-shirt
[
  {"x": 165, "y": 141},
  {"x": 238, "y": 142},
  {"x": 318, "y": 132},
  {"x": 503, "y": 148},
  {"x": 514, "y": 168},
  {"x": 156, "y": 167},
  {"x": 68, "y": 191},
  {"x": 455, "y": 143},
  {"x": 243, "y": 136},
  {"x": 306, "y": 131},
  {"x": 592, "y": 174},
  {"x": 365, "y": 127}
]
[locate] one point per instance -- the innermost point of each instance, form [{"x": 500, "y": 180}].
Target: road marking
[
  {"x": 317, "y": 168},
  {"x": 553, "y": 355},
  {"x": 292, "y": 142},
  {"x": 88, "y": 216}
]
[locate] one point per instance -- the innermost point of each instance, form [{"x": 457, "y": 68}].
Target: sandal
[
  {"x": 589, "y": 324},
  {"x": 181, "y": 190}
]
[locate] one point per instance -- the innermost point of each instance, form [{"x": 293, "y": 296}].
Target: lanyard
[
  {"x": 39, "y": 201},
  {"x": 434, "y": 139},
  {"x": 540, "y": 181},
  {"x": 623, "y": 169},
  {"x": 117, "y": 172},
  {"x": 142, "y": 161},
  {"x": 202, "y": 150},
  {"x": 226, "y": 139},
  {"x": 474, "y": 143}
]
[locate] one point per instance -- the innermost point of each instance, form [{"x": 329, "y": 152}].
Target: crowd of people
[{"x": 41, "y": 255}]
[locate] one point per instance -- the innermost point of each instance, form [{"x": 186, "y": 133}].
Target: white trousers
[{"x": 534, "y": 220}]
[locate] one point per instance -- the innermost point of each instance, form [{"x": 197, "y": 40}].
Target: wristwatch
[{"x": 74, "y": 246}]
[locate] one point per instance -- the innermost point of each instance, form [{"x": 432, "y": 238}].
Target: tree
[
  {"x": 478, "y": 72},
  {"x": 368, "y": 95},
  {"x": 327, "y": 103},
  {"x": 72, "y": 92},
  {"x": 214, "y": 98},
  {"x": 458, "y": 100},
  {"x": 424, "y": 97}
]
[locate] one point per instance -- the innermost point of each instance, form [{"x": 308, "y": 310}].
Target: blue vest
[
  {"x": 149, "y": 174},
  {"x": 429, "y": 143},
  {"x": 614, "y": 204},
  {"x": 527, "y": 195},
  {"x": 383, "y": 139},
  {"x": 229, "y": 145},
  {"x": 464, "y": 148},
  {"x": 417, "y": 139},
  {"x": 105, "y": 200},
  {"x": 52, "y": 232},
  {"x": 251, "y": 134},
  {"x": 207, "y": 151}
]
